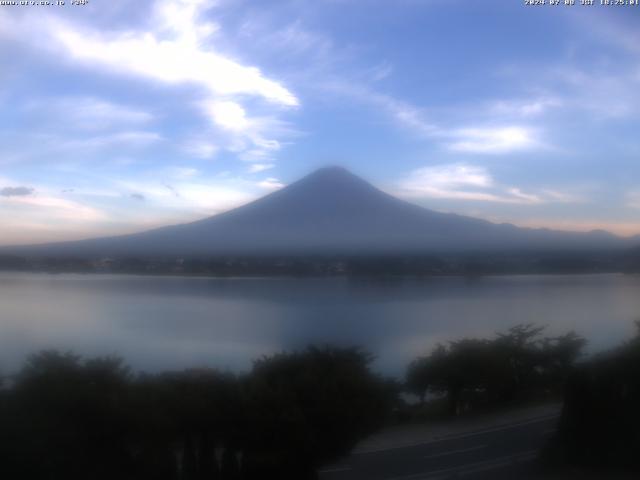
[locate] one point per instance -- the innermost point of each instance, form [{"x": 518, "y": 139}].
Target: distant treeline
[
  {"x": 480, "y": 263},
  {"x": 69, "y": 418}
]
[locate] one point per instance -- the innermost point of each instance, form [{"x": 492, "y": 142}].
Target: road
[{"x": 499, "y": 452}]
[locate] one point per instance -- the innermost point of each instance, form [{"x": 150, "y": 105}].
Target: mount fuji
[{"x": 330, "y": 211}]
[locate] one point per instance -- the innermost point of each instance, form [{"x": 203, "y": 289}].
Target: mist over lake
[{"x": 161, "y": 323}]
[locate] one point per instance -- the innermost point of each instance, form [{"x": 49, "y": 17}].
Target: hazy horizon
[{"x": 143, "y": 228}]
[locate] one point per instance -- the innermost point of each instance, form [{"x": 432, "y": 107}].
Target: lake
[{"x": 175, "y": 322}]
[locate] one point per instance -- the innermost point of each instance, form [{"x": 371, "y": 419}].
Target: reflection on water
[{"x": 173, "y": 322}]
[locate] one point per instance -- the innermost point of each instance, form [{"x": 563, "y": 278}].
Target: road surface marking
[
  {"x": 454, "y": 452},
  {"x": 471, "y": 467},
  {"x": 346, "y": 468},
  {"x": 446, "y": 438}
]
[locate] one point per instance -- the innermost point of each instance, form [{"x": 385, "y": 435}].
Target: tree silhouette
[
  {"x": 600, "y": 422},
  {"x": 515, "y": 366},
  {"x": 69, "y": 418},
  {"x": 310, "y": 407}
]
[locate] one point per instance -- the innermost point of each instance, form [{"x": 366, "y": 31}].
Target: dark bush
[{"x": 67, "y": 418}]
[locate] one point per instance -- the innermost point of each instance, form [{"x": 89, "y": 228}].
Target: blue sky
[{"x": 119, "y": 116}]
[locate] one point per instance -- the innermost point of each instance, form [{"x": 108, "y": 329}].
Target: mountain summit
[{"x": 329, "y": 211}]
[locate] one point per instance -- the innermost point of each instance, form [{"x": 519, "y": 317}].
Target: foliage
[
  {"x": 600, "y": 422},
  {"x": 514, "y": 366},
  {"x": 324, "y": 399},
  {"x": 69, "y": 418}
]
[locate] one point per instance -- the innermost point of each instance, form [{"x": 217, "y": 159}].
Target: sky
[{"x": 119, "y": 116}]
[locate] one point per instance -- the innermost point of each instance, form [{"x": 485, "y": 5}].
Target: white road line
[
  {"x": 470, "y": 468},
  {"x": 346, "y": 468},
  {"x": 446, "y": 438},
  {"x": 454, "y": 452}
]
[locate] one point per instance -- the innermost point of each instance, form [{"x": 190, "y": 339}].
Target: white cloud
[
  {"x": 206, "y": 197},
  {"x": 613, "y": 91},
  {"x": 177, "y": 47},
  {"x": 210, "y": 199},
  {"x": 252, "y": 141},
  {"x": 563, "y": 197},
  {"x": 260, "y": 167},
  {"x": 404, "y": 114},
  {"x": 175, "y": 54},
  {"x": 458, "y": 181},
  {"x": 473, "y": 139},
  {"x": 518, "y": 194},
  {"x": 228, "y": 115},
  {"x": 53, "y": 207},
  {"x": 472, "y": 183},
  {"x": 49, "y": 215},
  {"x": 271, "y": 184},
  {"x": 493, "y": 140},
  {"x": 448, "y": 177}
]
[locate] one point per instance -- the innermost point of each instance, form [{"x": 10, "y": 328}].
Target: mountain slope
[{"x": 329, "y": 211}]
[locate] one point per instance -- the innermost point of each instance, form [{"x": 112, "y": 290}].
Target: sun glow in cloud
[
  {"x": 498, "y": 140},
  {"x": 175, "y": 48},
  {"x": 182, "y": 59},
  {"x": 228, "y": 115}
]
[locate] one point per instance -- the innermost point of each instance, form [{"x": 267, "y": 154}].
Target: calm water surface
[{"x": 174, "y": 322}]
